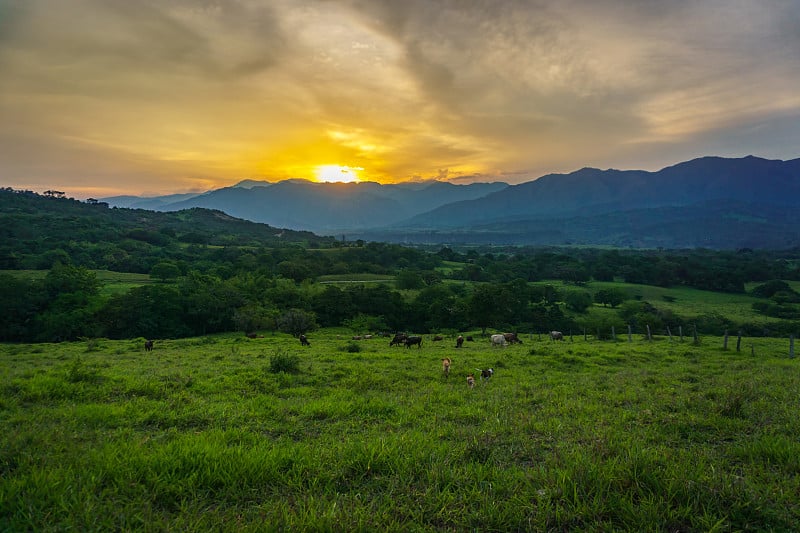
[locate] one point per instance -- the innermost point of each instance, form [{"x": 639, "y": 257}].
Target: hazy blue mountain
[
  {"x": 708, "y": 202},
  {"x": 326, "y": 207},
  {"x": 591, "y": 191}
]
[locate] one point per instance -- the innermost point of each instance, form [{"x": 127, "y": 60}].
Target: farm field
[{"x": 227, "y": 433}]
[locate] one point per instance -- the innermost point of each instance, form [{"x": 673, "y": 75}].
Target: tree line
[{"x": 219, "y": 274}]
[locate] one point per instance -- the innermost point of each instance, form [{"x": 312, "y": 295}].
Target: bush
[
  {"x": 351, "y": 347},
  {"x": 284, "y": 362}
]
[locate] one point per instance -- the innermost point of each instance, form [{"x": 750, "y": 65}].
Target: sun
[{"x": 337, "y": 173}]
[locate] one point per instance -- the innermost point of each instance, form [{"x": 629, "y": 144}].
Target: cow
[
  {"x": 399, "y": 338},
  {"x": 148, "y": 345},
  {"x": 437, "y": 338},
  {"x": 556, "y": 336},
  {"x": 469, "y": 338},
  {"x": 446, "y": 367},
  {"x": 250, "y": 335},
  {"x": 486, "y": 374},
  {"x": 413, "y": 340},
  {"x": 498, "y": 340},
  {"x": 511, "y": 338},
  {"x": 304, "y": 340},
  {"x": 471, "y": 381},
  {"x": 459, "y": 341}
]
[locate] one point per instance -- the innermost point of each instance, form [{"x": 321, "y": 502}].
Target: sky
[{"x": 147, "y": 97}]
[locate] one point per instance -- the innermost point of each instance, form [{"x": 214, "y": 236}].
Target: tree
[
  {"x": 612, "y": 297},
  {"x": 296, "y": 322},
  {"x": 409, "y": 279},
  {"x": 165, "y": 270},
  {"x": 489, "y": 306},
  {"x": 578, "y": 301}
]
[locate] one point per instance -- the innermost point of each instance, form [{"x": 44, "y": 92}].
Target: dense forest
[{"x": 212, "y": 273}]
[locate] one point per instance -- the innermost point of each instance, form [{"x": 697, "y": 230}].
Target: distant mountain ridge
[
  {"x": 320, "y": 207},
  {"x": 711, "y": 202}
]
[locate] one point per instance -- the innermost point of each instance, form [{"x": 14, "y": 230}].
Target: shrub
[
  {"x": 284, "y": 362},
  {"x": 351, "y": 347}
]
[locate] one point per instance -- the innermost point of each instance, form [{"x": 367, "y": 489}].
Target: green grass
[
  {"x": 204, "y": 434},
  {"x": 110, "y": 282},
  {"x": 683, "y": 301},
  {"x": 355, "y": 278}
]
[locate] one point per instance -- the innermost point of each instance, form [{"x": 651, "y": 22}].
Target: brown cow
[
  {"x": 446, "y": 367},
  {"x": 511, "y": 338},
  {"x": 438, "y": 338}
]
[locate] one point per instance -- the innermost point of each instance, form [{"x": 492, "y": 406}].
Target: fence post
[
  {"x": 649, "y": 337},
  {"x": 584, "y": 335},
  {"x": 613, "y": 334},
  {"x": 791, "y": 346},
  {"x": 630, "y": 338},
  {"x": 694, "y": 333},
  {"x": 680, "y": 332},
  {"x": 725, "y": 341},
  {"x": 739, "y": 341},
  {"x": 669, "y": 334}
]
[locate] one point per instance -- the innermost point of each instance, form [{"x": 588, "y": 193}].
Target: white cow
[{"x": 499, "y": 340}]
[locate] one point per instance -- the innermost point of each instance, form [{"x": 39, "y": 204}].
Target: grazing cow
[
  {"x": 469, "y": 338},
  {"x": 367, "y": 337},
  {"x": 471, "y": 381},
  {"x": 304, "y": 340},
  {"x": 399, "y": 338},
  {"x": 446, "y": 367},
  {"x": 437, "y": 338},
  {"x": 486, "y": 374},
  {"x": 413, "y": 340},
  {"x": 459, "y": 341},
  {"x": 148, "y": 346},
  {"x": 511, "y": 338},
  {"x": 250, "y": 335},
  {"x": 498, "y": 340},
  {"x": 556, "y": 336}
]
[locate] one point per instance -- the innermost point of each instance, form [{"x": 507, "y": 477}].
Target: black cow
[
  {"x": 304, "y": 340},
  {"x": 399, "y": 338},
  {"x": 459, "y": 341},
  {"x": 413, "y": 340},
  {"x": 148, "y": 346}
]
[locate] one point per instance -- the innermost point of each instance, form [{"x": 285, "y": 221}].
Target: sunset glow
[
  {"x": 337, "y": 174},
  {"x": 183, "y": 96}
]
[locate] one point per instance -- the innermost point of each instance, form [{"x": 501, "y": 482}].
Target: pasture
[{"x": 227, "y": 433}]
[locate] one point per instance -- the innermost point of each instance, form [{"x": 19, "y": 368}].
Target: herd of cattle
[{"x": 497, "y": 340}]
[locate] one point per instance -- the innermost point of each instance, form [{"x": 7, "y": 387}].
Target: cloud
[{"x": 209, "y": 92}]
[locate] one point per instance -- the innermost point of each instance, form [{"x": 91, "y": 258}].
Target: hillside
[{"x": 32, "y": 224}]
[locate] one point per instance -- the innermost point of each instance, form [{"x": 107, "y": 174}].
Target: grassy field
[
  {"x": 683, "y": 301},
  {"x": 110, "y": 282},
  {"x": 226, "y": 433}
]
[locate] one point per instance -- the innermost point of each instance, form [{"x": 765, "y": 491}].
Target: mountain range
[{"x": 710, "y": 202}]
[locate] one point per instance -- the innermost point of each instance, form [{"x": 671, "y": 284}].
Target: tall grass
[{"x": 214, "y": 434}]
